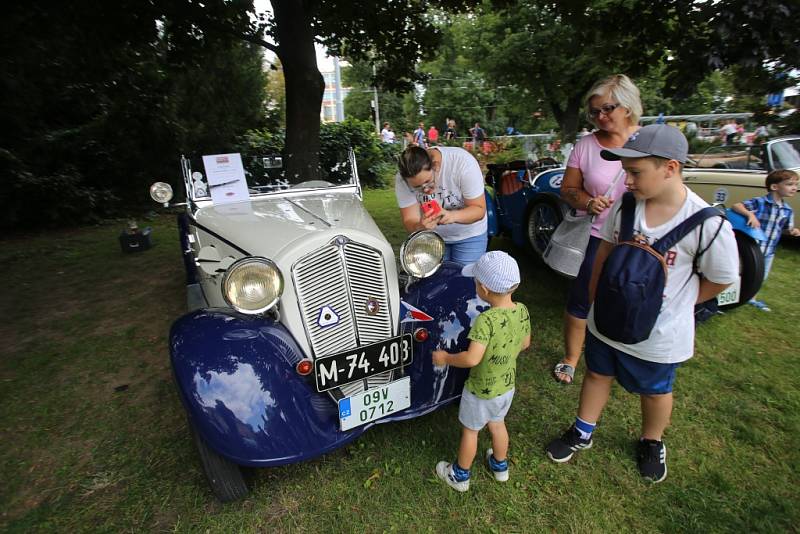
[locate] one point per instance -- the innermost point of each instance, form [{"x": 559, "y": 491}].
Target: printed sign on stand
[{"x": 226, "y": 180}]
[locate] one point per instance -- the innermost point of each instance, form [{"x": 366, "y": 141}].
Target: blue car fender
[
  {"x": 237, "y": 380},
  {"x": 450, "y": 301},
  {"x": 739, "y": 224},
  {"x": 491, "y": 213},
  {"x": 549, "y": 181}
]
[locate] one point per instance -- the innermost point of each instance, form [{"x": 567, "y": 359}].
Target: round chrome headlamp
[
  {"x": 161, "y": 192},
  {"x": 421, "y": 254},
  {"x": 252, "y": 285}
]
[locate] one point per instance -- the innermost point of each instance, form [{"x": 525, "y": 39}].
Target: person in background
[
  {"x": 450, "y": 132},
  {"x": 613, "y": 106},
  {"x": 478, "y": 136},
  {"x": 419, "y": 136},
  {"x": 739, "y": 131},
  {"x": 691, "y": 130},
  {"x": 451, "y": 177},
  {"x": 761, "y": 134},
  {"x": 773, "y": 215},
  {"x": 433, "y": 135},
  {"x": 728, "y": 132},
  {"x": 387, "y": 135}
]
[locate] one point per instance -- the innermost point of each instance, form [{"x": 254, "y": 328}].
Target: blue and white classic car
[{"x": 302, "y": 332}]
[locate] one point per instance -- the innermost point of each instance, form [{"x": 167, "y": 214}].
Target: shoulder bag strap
[{"x": 616, "y": 179}]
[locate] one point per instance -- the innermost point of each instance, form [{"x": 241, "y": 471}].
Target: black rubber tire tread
[
  {"x": 751, "y": 265},
  {"x": 552, "y": 204},
  {"x": 224, "y": 477}
]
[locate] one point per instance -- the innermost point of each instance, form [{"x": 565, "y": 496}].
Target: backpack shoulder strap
[
  {"x": 628, "y": 211},
  {"x": 680, "y": 231},
  {"x": 695, "y": 264}
]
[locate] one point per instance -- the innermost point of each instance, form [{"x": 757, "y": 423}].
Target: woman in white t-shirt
[
  {"x": 613, "y": 105},
  {"x": 452, "y": 177}
]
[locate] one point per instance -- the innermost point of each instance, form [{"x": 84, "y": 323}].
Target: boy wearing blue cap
[{"x": 496, "y": 339}]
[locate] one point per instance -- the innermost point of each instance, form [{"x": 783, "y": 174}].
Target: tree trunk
[
  {"x": 568, "y": 117},
  {"x": 304, "y": 88}
]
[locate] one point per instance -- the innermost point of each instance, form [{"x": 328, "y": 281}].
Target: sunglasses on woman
[{"x": 605, "y": 109}]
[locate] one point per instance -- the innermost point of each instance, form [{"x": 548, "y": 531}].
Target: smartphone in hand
[{"x": 431, "y": 207}]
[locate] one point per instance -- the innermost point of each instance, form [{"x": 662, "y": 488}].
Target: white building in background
[{"x": 328, "y": 111}]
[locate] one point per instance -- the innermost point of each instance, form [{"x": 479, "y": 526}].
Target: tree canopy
[{"x": 99, "y": 99}]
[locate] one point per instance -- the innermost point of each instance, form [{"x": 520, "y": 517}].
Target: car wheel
[
  {"x": 544, "y": 216},
  {"x": 751, "y": 269},
  {"x": 224, "y": 477}
]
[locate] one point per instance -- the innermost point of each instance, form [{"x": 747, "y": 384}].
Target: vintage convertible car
[
  {"x": 524, "y": 203},
  {"x": 300, "y": 333},
  {"x": 732, "y": 173}
]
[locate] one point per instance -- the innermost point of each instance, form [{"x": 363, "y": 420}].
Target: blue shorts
[
  {"x": 466, "y": 251},
  {"x": 635, "y": 375},
  {"x": 578, "y": 299}
]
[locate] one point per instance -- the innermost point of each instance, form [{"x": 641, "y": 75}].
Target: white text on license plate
[
  {"x": 731, "y": 294},
  {"x": 375, "y": 403}
]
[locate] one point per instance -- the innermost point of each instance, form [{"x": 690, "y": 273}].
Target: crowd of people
[
  {"x": 629, "y": 180},
  {"x": 423, "y": 138}
]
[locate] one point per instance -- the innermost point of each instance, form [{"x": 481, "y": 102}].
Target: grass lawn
[{"x": 94, "y": 437}]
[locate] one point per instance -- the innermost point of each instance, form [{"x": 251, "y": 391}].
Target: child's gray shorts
[{"x": 475, "y": 412}]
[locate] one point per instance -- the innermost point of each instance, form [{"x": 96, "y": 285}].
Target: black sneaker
[
  {"x": 651, "y": 455},
  {"x": 561, "y": 449}
]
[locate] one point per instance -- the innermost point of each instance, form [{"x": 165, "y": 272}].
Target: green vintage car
[{"x": 733, "y": 173}]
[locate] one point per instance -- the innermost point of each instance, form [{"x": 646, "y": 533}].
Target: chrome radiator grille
[{"x": 343, "y": 276}]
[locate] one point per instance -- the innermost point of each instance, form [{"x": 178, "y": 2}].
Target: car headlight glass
[
  {"x": 252, "y": 285},
  {"x": 161, "y": 192},
  {"x": 422, "y": 253}
]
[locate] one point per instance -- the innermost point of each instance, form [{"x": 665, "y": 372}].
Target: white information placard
[{"x": 226, "y": 181}]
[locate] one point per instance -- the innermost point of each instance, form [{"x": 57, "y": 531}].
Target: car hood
[{"x": 266, "y": 226}]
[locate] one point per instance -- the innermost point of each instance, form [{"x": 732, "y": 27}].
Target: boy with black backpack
[{"x": 662, "y": 252}]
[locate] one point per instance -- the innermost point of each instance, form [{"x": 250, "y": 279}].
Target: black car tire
[
  {"x": 224, "y": 477},
  {"x": 751, "y": 267},
  {"x": 543, "y": 217}
]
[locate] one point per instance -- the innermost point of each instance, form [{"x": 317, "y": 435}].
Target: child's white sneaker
[
  {"x": 498, "y": 469},
  {"x": 444, "y": 470}
]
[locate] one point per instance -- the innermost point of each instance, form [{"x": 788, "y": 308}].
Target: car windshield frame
[
  {"x": 736, "y": 157},
  {"x": 780, "y": 152},
  {"x": 266, "y": 176}
]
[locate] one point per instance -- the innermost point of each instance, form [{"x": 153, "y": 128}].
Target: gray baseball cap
[
  {"x": 659, "y": 140},
  {"x": 496, "y": 270}
]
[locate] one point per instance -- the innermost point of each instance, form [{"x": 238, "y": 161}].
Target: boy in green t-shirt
[{"x": 496, "y": 338}]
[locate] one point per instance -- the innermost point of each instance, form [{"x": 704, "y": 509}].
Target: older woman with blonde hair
[{"x": 591, "y": 184}]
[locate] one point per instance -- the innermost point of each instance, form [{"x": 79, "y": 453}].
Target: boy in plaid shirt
[{"x": 772, "y": 215}]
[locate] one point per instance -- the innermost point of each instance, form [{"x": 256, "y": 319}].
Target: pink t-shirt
[{"x": 597, "y": 174}]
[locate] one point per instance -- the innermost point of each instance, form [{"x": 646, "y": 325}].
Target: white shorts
[{"x": 474, "y": 412}]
